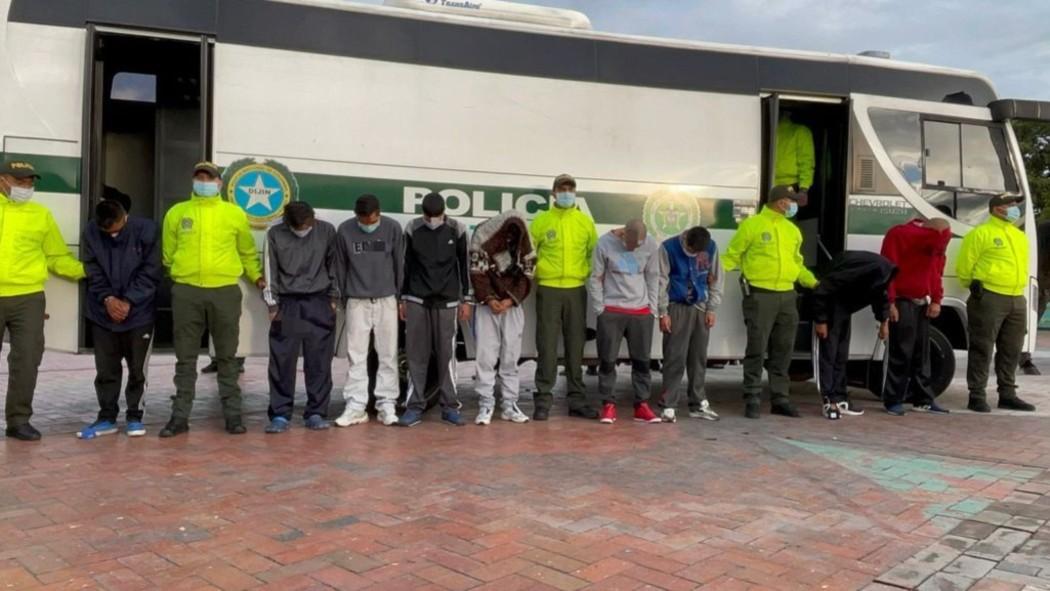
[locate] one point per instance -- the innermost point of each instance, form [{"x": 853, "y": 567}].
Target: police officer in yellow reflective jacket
[
  {"x": 767, "y": 250},
  {"x": 207, "y": 247},
  {"x": 30, "y": 246},
  {"x": 795, "y": 157},
  {"x": 993, "y": 265}
]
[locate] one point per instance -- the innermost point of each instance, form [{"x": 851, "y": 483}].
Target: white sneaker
[
  {"x": 667, "y": 416},
  {"x": 704, "y": 413},
  {"x": 850, "y": 409},
  {"x": 387, "y": 416},
  {"x": 513, "y": 414},
  {"x": 352, "y": 417},
  {"x": 484, "y": 415}
]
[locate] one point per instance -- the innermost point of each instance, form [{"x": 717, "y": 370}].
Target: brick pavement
[{"x": 770, "y": 504}]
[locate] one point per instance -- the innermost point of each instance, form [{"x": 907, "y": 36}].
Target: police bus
[{"x": 485, "y": 102}]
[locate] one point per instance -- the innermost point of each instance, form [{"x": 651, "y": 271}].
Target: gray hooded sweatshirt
[{"x": 624, "y": 279}]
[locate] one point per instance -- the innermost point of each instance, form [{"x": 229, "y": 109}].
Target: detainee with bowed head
[
  {"x": 767, "y": 248},
  {"x": 122, "y": 261},
  {"x": 501, "y": 268},
  {"x": 301, "y": 297},
  {"x": 370, "y": 251},
  {"x": 691, "y": 284},
  {"x": 918, "y": 248},
  {"x": 207, "y": 247},
  {"x": 436, "y": 295},
  {"x": 565, "y": 238},
  {"x": 31, "y": 246},
  {"x": 623, "y": 290}
]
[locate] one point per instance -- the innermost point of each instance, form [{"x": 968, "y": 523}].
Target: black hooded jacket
[{"x": 854, "y": 280}]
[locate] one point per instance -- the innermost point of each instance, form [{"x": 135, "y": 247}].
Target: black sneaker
[
  {"x": 752, "y": 410},
  {"x": 1029, "y": 368},
  {"x": 831, "y": 410},
  {"x": 541, "y": 413},
  {"x": 583, "y": 412},
  {"x": 1015, "y": 403},
  {"x": 785, "y": 409},
  {"x": 23, "y": 432},
  {"x": 978, "y": 405},
  {"x": 174, "y": 427},
  {"x": 211, "y": 367},
  {"x": 235, "y": 427}
]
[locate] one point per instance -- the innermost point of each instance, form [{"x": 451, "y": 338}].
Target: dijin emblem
[{"x": 261, "y": 190}]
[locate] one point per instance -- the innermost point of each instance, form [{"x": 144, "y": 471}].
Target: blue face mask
[
  {"x": 206, "y": 188},
  {"x": 565, "y": 200},
  {"x": 368, "y": 228},
  {"x": 792, "y": 210},
  {"x": 1013, "y": 213}
]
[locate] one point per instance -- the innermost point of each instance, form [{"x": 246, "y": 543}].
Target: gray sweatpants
[
  {"x": 685, "y": 353},
  {"x": 612, "y": 327},
  {"x": 498, "y": 339},
  {"x": 430, "y": 331}
]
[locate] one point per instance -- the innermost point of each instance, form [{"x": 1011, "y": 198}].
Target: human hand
[
  {"x": 260, "y": 283},
  {"x": 709, "y": 319},
  {"x": 895, "y": 314},
  {"x": 272, "y": 312},
  {"x": 464, "y": 311},
  {"x": 665, "y": 324},
  {"x": 884, "y": 330},
  {"x": 402, "y": 312},
  {"x": 822, "y": 330},
  {"x": 933, "y": 311}
]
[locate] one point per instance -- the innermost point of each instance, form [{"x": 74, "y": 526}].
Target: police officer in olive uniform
[
  {"x": 993, "y": 265},
  {"x": 30, "y": 246},
  {"x": 767, "y": 250}
]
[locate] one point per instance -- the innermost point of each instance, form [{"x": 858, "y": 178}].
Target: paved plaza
[{"x": 872, "y": 502}]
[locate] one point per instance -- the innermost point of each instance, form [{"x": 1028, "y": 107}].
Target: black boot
[
  {"x": 1015, "y": 403},
  {"x": 235, "y": 427},
  {"x": 979, "y": 405},
  {"x": 752, "y": 410},
  {"x": 1028, "y": 367},
  {"x": 23, "y": 432},
  {"x": 784, "y": 409},
  {"x": 583, "y": 411},
  {"x": 174, "y": 427}
]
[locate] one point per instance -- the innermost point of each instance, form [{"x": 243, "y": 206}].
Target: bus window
[
  {"x": 967, "y": 157},
  {"x": 898, "y": 132},
  {"x": 140, "y": 88},
  {"x": 942, "y": 154}
]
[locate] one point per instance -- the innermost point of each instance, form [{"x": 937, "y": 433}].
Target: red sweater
[{"x": 919, "y": 254}]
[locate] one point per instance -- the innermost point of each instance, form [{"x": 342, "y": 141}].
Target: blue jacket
[
  {"x": 127, "y": 267},
  {"x": 691, "y": 280}
]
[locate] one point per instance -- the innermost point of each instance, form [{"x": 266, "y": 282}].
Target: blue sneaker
[
  {"x": 411, "y": 418},
  {"x": 896, "y": 410},
  {"x": 317, "y": 423},
  {"x": 135, "y": 429},
  {"x": 278, "y": 425},
  {"x": 931, "y": 408},
  {"x": 97, "y": 429},
  {"x": 452, "y": 417}
]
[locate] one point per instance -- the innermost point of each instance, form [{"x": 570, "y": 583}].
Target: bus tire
[{"x": 942, "y": 366}]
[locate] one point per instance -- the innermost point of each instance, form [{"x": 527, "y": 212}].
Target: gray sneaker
[
  {"x": 512, "y": 413},
  {"x": 704, "y": 412},
  {"x": 484, "y": 415}
]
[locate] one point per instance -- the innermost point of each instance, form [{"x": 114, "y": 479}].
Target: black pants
[
  {"x": 306, "y": 324},
  {"x": 908, "y": 350},
  {"x": 133, "y": 348},
  {"x": 834, "y": 356}
]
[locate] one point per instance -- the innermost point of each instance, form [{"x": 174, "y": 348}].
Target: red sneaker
[
  {"x": 644, "y": 414},
  {"x": 608, "y": 413}
]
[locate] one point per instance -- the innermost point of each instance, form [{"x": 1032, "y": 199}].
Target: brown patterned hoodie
[{"x": 502, "y": 261}]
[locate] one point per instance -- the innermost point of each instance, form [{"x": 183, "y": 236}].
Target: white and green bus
[{"x": 323, "y": 100}]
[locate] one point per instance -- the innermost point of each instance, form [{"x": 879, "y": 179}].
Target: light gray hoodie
[{"x": 624, "y": 279}]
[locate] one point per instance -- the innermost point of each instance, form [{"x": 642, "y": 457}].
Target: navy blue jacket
[{"x": 127, "y": 267}]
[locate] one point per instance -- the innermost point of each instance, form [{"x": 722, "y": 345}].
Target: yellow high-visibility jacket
[
  {"x": 795, "y": 159},
  {"x": 767, "y": 248},
  {"x": 996, "y": 254},
  {"x": 30, "y": 246},
  {"x": 207, "y": 243},
  {"x": 564, "y": 240}
]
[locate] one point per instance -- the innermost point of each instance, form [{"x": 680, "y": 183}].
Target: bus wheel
[
  {"x": 942, "y": 362},
  {"x": 942, "y": 366}
]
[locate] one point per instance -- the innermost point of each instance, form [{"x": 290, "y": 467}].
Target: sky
[{"x": 1006, "y": 40}]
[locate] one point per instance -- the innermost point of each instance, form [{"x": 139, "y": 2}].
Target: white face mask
[
  {"x": 435, "y": 223},
  {"x": 20, "y": 194},
  {"x": 303, "y": 233}
]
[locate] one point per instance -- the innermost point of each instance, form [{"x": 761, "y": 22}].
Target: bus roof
[{"x": 337, "y": 27}]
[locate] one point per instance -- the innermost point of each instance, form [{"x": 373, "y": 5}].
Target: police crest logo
[
  {"x": 552, "y": 234},
  {"x": 767, "y": 237},
  {"x": 186, "y": 223},
  {"x": 260, "y": 189},
  {"x": 998, "y": 242},
  {"x": 669, "y": 213}
]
